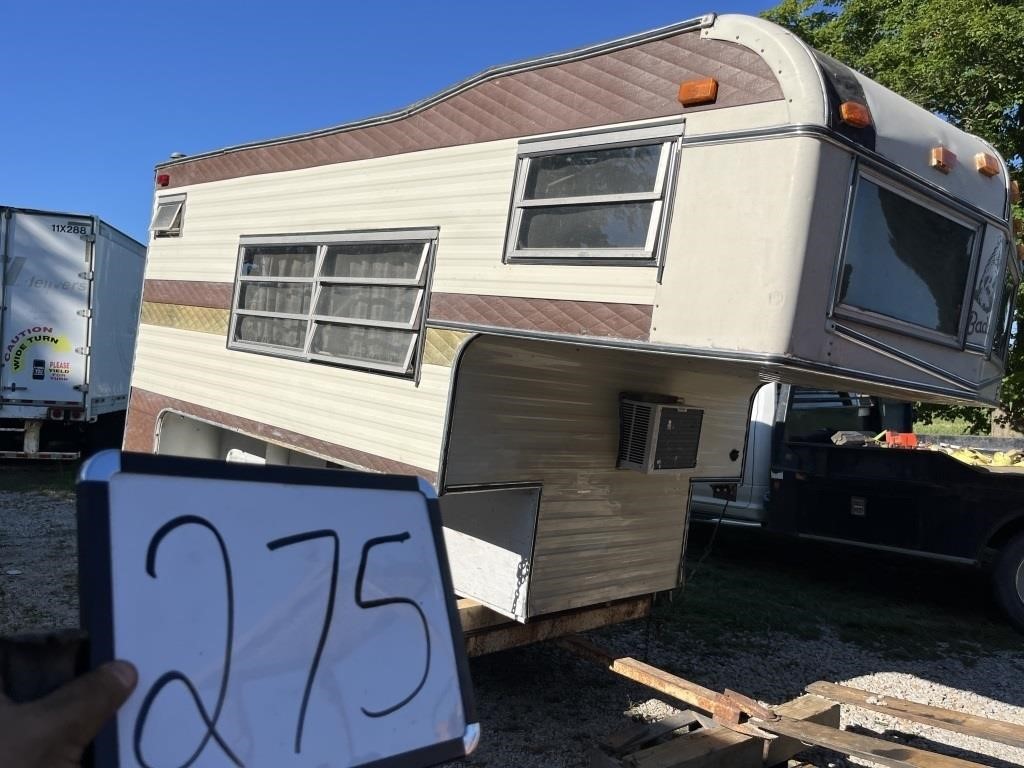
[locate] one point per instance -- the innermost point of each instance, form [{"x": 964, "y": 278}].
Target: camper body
[
  {"x": 553, "y": 290},
  {"x": 71, "y": 288}
]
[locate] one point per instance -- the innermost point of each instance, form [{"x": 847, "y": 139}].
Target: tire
[{"x": 1008, "y": 580}]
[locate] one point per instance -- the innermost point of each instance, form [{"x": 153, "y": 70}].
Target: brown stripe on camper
[
  {"x": 574, "y": 318},
  {"x": 562, "y": 316},
  {"x": 634, "y": 83},
  {"x": 186, "y": 317},
  {"x": 193, "y": 293},
  {"x": 145, "y": 408}
]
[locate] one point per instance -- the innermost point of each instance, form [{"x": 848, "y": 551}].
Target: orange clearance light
[
  {"x": 693, "y": 93},
  {"x": 986, "y": 164},
  {"x": 942, "y": 159},
  {"x": 854, "y": 113},
  {"x": 163, "y": 179}
]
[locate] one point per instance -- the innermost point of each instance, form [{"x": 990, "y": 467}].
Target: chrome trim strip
[
  {"x": 895, "y": 550},
  {"x": 769, "y": 361},
  {"x": 689, "y": 25}
]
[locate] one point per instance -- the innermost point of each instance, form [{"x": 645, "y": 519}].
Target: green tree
[{"x": 961, "y": 59}]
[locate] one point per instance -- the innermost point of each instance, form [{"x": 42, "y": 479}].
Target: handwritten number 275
[{"x": 210, "y": 719}]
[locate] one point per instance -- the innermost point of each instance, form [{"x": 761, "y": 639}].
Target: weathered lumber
[
  {"x": 638, "y": 734},
  {"x": 1011, "y": 734},
  {"x": 487, "y": 632},
  {"x": 811, "y": 708},
  {"x": 676, "y": 687},
  {"x": 870, "y": 748},
  {"x": 705, "y": 748}
]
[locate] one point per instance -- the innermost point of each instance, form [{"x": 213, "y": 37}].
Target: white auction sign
[{"x": 278, "y": 616}]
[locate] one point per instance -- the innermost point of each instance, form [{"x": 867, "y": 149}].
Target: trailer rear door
[{"x": 45, "y": 297}]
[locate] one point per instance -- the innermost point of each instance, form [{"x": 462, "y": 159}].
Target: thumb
[{"x": 75, "y": 712}]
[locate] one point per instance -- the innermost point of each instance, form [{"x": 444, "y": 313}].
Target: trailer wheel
[{"x": 1008, "y": 580}]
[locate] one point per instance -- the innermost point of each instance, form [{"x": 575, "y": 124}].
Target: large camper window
[
  {"x": 905, "y": 261},
  {"x": 354, "y": 299},
  {"x": 167, "y": 217},
  {"x": 592, "y": 198}
]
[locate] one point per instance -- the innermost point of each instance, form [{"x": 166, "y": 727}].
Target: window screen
[
  {"x": 583, "y": 200},
  {"x": 355, "y": 300},
  {"x": 168, "y": 216},
  {"x": 905, "y": 261}
]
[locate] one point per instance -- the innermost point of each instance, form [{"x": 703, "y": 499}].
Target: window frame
[
  {"x": 669, "y": 135},
  {"x": 170, "y": 230},
  {"x": 957, "y": 215},
  {"x": 317, "y": 282}
]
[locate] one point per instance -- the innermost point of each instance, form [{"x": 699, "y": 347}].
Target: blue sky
[{"x": 95, "y": 94}]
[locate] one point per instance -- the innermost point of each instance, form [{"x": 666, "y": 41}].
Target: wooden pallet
[{"x": 740, "y": 733}]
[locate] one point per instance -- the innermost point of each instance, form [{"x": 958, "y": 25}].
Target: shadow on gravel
[{"x": 788, "y": 602}]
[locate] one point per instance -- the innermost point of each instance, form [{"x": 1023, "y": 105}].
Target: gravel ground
[{"x": 541, "y": 706}]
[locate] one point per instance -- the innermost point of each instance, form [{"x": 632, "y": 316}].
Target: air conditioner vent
[{"x": 657, "y": 434}]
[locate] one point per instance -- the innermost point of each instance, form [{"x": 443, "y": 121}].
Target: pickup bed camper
[
  {"x": 552, "y": 290},
  {"x": 71, "y": 287}
]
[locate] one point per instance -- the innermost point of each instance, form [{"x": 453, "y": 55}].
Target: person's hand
[{"x": 54, "y": 731}]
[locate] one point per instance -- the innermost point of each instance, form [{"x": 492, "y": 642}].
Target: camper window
[
  {"x": 908, "y": 260},
  {"x": 597, "y": 197},
  {"x": 168, "y": 215},
  {"x": 354, "y": 299}
]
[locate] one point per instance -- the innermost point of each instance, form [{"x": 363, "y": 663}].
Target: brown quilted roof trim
[
  {"x": 574, "y": 318},
  {"x": 633, "y": 83}
]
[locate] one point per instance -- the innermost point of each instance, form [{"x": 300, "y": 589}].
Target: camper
[
  {"x": 553, "y": 289},
  {"x": 71, "y": 287}
]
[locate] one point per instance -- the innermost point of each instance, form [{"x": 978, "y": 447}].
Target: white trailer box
[
  {"x": 558, "y": 272},
  {"x": 71, "y": 287}
]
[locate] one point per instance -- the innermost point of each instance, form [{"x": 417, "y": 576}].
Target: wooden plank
[
  {"x": 812, "y": 708},
  {"x": 475, "y": 617},
  {"x": 1011, "y": 734},
  {"x": 865, "y": 747},
  {"x": 678, "y": 688},
  {"x": 706, "y": 748},
  {"x": 511, "y": 634},
  {"x": 638, "y": 734}
]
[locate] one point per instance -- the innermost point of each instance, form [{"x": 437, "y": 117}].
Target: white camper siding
[
  {"x": 736, "y": 249},
  {"x": 534, "y": 412},
  {"x": 381, "y": 415},
  {"x": 464, "y": 191}
]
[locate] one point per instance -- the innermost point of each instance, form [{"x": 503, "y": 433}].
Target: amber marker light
[
  {"x": 693, "y": 93},
  {"x": 986, "y": 164},
  {"x": 854, "y": 113},
  {"x": 942, "y": 159}
]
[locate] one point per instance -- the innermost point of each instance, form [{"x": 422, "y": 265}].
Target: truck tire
[{"x": 1008, "y": 580}]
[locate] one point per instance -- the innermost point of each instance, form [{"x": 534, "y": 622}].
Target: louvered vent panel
[
  {"x": 657, "y": 435},
  {"x": 634, "y": 433}
]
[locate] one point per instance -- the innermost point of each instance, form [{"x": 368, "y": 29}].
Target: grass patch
[
  {"x": 904, "y": 608},
  {"x": 43, "y": 477},
  {"x": 943, "y": 427}
]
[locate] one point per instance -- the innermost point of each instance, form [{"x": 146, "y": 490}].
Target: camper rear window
[
  {"x": 592, "y": 198},
  {"x": 906, "y": 261},
  {"x": 354, "y": 299}
]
